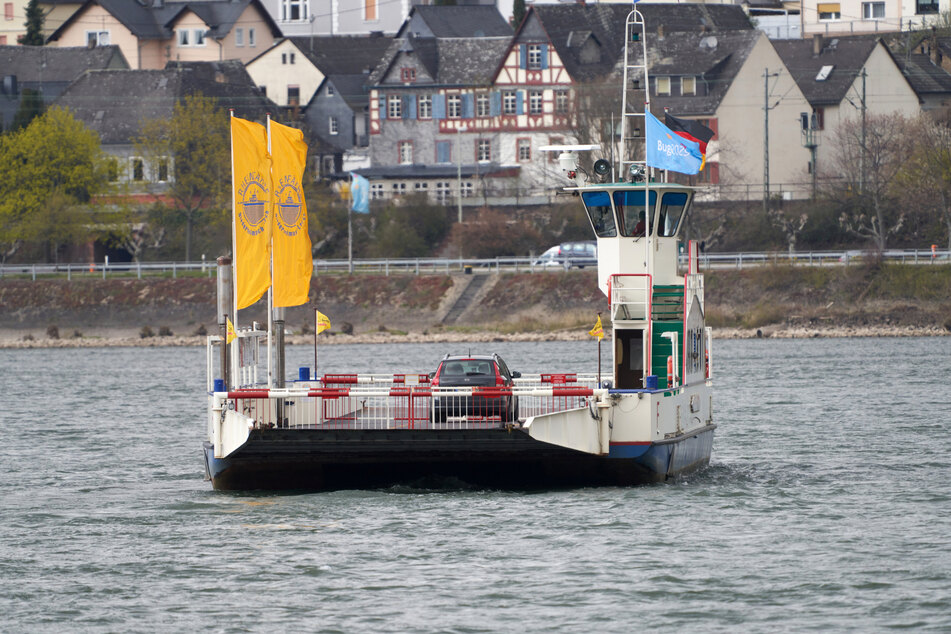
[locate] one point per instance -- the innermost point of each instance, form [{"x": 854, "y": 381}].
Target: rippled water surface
[{"x": 826, "y": 507}]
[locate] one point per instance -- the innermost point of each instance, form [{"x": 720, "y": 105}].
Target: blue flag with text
[
  {"x": 667, "y": 150},
  {"x": 360, "y": 194}
]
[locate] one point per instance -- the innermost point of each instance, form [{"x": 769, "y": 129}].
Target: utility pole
[
  {"x": 862, "y": 156},
  {"x": 766, "y": 109}
]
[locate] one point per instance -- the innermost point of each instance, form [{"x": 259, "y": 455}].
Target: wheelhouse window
[
  {"x": 672, "y": 207},
  {"x": 631, "y": 211},
  {"x": 598, "y": 207}
]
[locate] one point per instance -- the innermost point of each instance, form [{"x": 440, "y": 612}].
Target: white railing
[
  {"x": 420, "y": 266},
  {"x": 630, "y": 297}
]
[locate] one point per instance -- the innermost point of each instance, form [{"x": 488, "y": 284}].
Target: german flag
[{"x": 692, "y": 131}]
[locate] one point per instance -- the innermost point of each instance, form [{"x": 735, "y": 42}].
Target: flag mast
[{"x": 234, "y": 254}]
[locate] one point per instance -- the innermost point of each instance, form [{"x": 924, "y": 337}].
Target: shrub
[
  {"x": 146, "y": 332},
  {"x": 201, "y": 331},
  {"x": 77, "y": 334},
  {"x": 52, "y": 331},
  {"x": 346, "y": 328},
  {"x": 164, "y": 331}
]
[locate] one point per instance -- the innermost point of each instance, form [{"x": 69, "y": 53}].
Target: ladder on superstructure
[{"x": 635, "y": 81}]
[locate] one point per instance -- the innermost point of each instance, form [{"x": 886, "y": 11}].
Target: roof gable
[
  {"x": 842, "y": 59},
  {"x": 454, "y": 21},
  {"x": 42, "y": 64}
]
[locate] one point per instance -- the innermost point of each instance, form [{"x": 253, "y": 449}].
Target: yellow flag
[
  {"x": 252, "y": 210},
  {"x": 323, "y": 322},
  {"x": 231, "y": 333},
  {"x": 597, "y": 331},
  {"x": 293, "y": 260}
]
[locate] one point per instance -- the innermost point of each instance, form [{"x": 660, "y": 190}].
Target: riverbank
[{"x": 769, "y": 302}]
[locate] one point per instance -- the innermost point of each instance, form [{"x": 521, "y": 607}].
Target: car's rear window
[{"x": 468, "y": 367}]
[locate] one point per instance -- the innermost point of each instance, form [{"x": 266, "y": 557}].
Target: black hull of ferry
[{"x": 325, "y": 460}]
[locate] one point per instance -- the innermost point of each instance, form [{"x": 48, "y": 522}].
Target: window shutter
[
  {"x": 383, "y": 106},
  {"x": 467, "y": 109},
  {"x": 439, "y": 106},
  {"x": 544, "y": 56},
  {"x": 523, "y": 56},
  {"x": 409, "y": 106},
  {"x": 442, "y": 151},
  {"x": 495, "y": 104},
  {"x": 520, "y": 101}
]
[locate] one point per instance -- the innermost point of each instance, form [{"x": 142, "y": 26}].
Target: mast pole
[
  {"x": 270, "y": 288},
  {"x": 232, "y": 380}
]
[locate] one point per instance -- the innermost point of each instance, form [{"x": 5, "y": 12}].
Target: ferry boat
[{"x": 650, "y": 420}]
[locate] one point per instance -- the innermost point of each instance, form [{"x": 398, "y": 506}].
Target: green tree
[
  {"x": 193, "y": 145},
  {"x": 47, "y": 170},
  {"x": 408, "y": 227},
  {"x": 31, "y": 106},
  {"x": 34, "y": 25},
  {"x": 518, "y": 13}
]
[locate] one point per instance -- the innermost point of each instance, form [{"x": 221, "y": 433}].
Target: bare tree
[
  {"x": 866, "y": 185},
  {"x": 926, "y": 175}
]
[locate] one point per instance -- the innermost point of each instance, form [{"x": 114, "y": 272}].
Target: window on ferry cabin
[
  {"x": 672, "y": 207},
  {"x": 630, "y": 209},
  {"x": 598, "y": 207}
]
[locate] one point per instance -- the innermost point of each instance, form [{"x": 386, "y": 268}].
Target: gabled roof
[
  {"x": 343, "y": 54},
  {"x": 456, "y": 21},
  {"x": 148, "y": 22},
  {"x": 114, "y": 103},
  {"x": 714, "y": 60},
  {"x": 845, "y": 56},
  {"x": 43, "y": 64},
  {"x": 570, "y": 26},
  {"x": 352, "y": 89},
  {"x": 449, "y": 61},
  {"x": 924, "y": 76}
]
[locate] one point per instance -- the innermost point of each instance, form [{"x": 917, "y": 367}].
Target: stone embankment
[{"x": 778, "y": 302}]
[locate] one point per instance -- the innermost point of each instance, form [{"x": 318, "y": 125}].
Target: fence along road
[{"x": 430, "y": 266}]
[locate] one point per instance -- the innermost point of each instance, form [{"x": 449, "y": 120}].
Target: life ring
[{"x": 670, "y": 371}]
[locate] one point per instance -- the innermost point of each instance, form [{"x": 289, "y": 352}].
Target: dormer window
[
  {"x": 688, "y": 86},
  {"x": 407, "y": 75},
  {"x": 662, "y": 85}
]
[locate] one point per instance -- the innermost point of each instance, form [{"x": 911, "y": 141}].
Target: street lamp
[{"x": 459, "y": 132}]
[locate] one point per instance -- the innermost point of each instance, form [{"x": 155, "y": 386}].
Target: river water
[{"x": 826, "y": 507}]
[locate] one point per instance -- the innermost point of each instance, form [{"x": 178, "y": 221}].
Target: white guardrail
[{"x": 420, "y": 266}]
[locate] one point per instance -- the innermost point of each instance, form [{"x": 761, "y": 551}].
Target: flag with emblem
[
  {"x": 597, "y": 331},
  {"x": 293, "y": 260},
  {"x": 323, "y": 322},
  {"x": 251, "y": 184},
  {"x": 231, "y": 333}
]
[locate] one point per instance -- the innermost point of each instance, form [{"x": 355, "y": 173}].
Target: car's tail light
[
  {"x": 499, "y": 381},
  {"x": 434, "y": 382}
]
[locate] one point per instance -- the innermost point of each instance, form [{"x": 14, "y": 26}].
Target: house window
[
  {"x": 112, "y": 169},
  {"x": 330, "y": 90},
  {"x": 534, "y": 56},
  {"x": 334, "y": 126},
  {"x": 926, "y": 6},
  {"x": 484, "y": 150},
  {"x": 425, "y": 106},
  {"x": 406, "y": 152},
  {"x": 8, "y": 10},
  {"x": 97, "y": 38},
  {"x": 688, "y": 86},
  {"x": 293, "y": 95},
  {"x": 467, "y": 190},
  {"x": 199, "y": 37},
  {"x": 376, "y": 191},
  {"x": 294, "y": 10},
  {"x": 524, "y": 149},
  {"x": 509, "y": 102},
  {"x": 138, "y": 169},
  {"x": 662, "y": 85},
  {"x": 184, "y": 37},
  {"x": 163, "y": 170},
  {"x": 420, "y": 187},
  {"x": 554, "y": 140},
  {"x": 251, "y": 37},
  {"x": 399, "y": 189},
  {"x": 443, "y": 192},
  {"x": 873, "y": 10},
  {"x": 287, "y": 58},
  {"x": 482, "y": 105},
  {"x": 394, "y": 107},
  {"x": 407, "y": 75},
  {"x": 443, "y": 152},
  {"x": 369, "y": 10},
  {"x": 454, "y": 106},
  {"x": 3, "y": 40},
  {"x": 535, "y": 102},
  {"x": 561, "y": 101},
  {"x": 829, "y": 11},
  {"x": 239, "y": 37}
]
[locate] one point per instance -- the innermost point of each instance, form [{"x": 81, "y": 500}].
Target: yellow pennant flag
[
  {"x": 231, "y": 333},
  {"x": 323, "y": 322},
  {"x": 597, "y": 331},
  {"x": 252, "y": 210},
  {"x": 293, "y": 260}
]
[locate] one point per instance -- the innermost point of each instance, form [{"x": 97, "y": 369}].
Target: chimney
[{"x": 817, "y": 44}]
